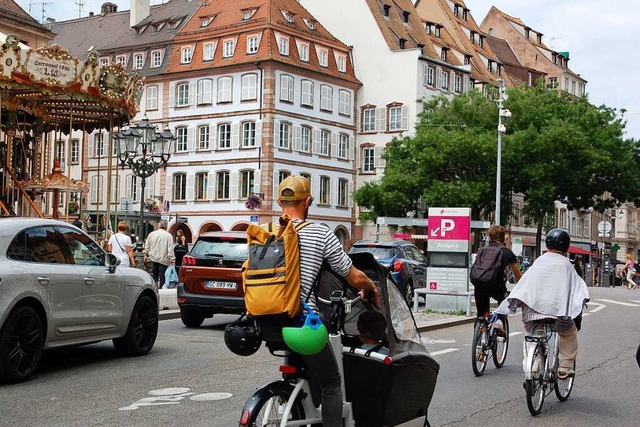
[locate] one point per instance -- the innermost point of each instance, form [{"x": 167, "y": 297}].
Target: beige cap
[{"x": 300, "y": 187}]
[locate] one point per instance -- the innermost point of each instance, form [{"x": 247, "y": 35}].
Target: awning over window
[{"x": 578, "y": 251}]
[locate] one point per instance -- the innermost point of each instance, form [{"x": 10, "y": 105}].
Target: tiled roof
[
  {"x": 112, "y": 32},
  {"x": 267, "y": 20},
  {"x": 514, "y": 69},
  {"x": 10, "y": 10}
]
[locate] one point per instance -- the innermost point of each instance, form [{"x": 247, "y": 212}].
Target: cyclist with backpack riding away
[
  {"x": 552, "y": 289},
  {"x": 488, "y": 273},
  {"x": 318, "y": 244}
]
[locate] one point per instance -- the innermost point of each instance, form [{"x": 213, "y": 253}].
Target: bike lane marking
[
  {"x": 595, "y": 310},
  {"x": 173, "y": 396},
  {"x": 626, "y": 304}
]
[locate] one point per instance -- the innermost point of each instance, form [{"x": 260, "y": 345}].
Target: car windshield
[
  {"x": 221, "y": 248},
  {"x": 379, "y": 252}
]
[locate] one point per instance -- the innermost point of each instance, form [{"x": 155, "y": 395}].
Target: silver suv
[{"x": 59, "y": 288}]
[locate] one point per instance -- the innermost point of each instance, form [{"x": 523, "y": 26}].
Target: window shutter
[
  {"x": 259, "y": 133},
  {"x": 297, "y": 138},
  {"x": 91, "y": 152},
  {"x": 233, "y": 185},
  {"x": 257, "y": 181},
  {"x": 94, "y": 189},
  {"x": 172, "y": 95},
  {"x": 334, "y": 144},
  {"x": 276, "y": 129},
  {"x": 404, "y": 125},
  {"x": 350, "y": 194},
  {"x": 190, "y": 188},
  {"x": 150, "y": 191},
  {"x": 192, "y": 91},
  {"x": 351, "y": 148},
  {"x": 378, "y": 161},
  {"x": 127, "y": 186},
  {"x": 381, "y": 119},
  {"x": 235, "y": 136},
  {"x": 191, "y": 139},
  {"x": 169, "y": 190},
  {"x": 316, "y": 141},
  {"x": 358, "y": 154},
  {"x": 211, "y": 186}
]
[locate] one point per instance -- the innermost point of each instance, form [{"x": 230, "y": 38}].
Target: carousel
[{"x": 48, "y": 98}]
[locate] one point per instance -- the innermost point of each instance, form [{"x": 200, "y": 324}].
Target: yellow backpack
[{"x": 271, "y": 274}]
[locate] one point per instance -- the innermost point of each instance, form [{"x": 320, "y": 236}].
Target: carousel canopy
[{"x": 57, "y": 88}]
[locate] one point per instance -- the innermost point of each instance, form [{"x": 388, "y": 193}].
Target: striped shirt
[{"x": 319, "y": 243}]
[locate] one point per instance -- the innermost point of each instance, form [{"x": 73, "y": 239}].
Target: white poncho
[{"x": 546, "y": 287}]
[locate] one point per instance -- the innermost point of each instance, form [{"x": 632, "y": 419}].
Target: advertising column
[{"x": 449, "y": 231}]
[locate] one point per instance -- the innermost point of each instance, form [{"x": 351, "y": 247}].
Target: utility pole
[{"x": 501, "y": 129}]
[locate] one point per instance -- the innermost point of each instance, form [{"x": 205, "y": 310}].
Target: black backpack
[{"x": 486, "y": 271}]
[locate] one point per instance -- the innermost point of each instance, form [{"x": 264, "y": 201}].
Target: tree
[{"x": 557, "y": 148}]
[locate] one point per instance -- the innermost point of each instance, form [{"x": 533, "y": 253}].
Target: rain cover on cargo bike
[{"x": 384, "y": 391}]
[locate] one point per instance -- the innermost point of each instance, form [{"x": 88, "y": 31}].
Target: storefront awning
[{"x": 578, "y": 251}]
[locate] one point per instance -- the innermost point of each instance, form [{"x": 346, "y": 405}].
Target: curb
[
  {"x": 445, "y": 323},
  {"x": 167, "y": 314}
]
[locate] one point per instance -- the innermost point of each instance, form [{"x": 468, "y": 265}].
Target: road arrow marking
[
  {"x": 626, "y": 304},
  {"x": 597, "y": 309}
]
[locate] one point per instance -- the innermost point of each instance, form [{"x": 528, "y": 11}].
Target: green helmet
[{"x": 308, "y": 339}]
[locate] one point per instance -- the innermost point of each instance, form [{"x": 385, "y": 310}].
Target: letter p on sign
[{"x": 446, "y": 225}]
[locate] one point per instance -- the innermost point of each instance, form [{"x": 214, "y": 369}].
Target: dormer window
[
  {"x": 443, "y": 54},
  {"x": 437, "y": 30},
  {"x": 467, "y": 60},
  {"x": 174, "y": 24},
  {"x": 386, "y": 9},
  {"x": 104, "y": 62},
  {"x": 456, "y": 10},
  {"x": 465, "y": 14},
  {"x": 402, "y": 43},
  {"x": 539, "y": 38},
  {"x": 247, "y": 14},
  {"x": 341, "y": 60},
  {"x": 526, "y": 33},
  {"x": 311, "y": 25},
  {"x": 472, "y": 37},
  {"x": 229, "y": 47},
  {"x": 323, "y": 57},
  {"x": 288, "y": 16},
  {"x": 427, "y": 26},
  {"x": 405, "y": 17},
  {"x": 186, "y": 55},
  {"x": 205, "y": 21},
  {"x": 122, "y": 60},
  {"x": 284, "y": 46},
  {"x": 481, "y": 41},
  {"x": 490, "y": 65}
]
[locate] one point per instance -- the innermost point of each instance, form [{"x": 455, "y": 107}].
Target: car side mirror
[{"x": 112, "y": 262}]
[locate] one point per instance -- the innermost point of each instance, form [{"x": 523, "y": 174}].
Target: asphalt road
[{"x": 190, "y": 378}]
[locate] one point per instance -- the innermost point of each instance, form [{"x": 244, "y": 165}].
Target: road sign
[
  {"x": 126, "y": 202},
  {"x": 604, "y": 227},
  {"x": 182, "y": 219},
  {"x": 254, "y": 219}
]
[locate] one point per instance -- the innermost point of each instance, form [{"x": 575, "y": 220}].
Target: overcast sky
[{"x": 598, "y": 36}]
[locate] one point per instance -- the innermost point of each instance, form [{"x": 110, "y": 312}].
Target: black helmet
[
  {"x": 558, "y": 239},
  {"x": 243, "y": 337}
]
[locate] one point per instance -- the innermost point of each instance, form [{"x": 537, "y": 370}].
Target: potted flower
[
  {"x": 152, "y": 205},
  {"x": 254, "y": 201}
]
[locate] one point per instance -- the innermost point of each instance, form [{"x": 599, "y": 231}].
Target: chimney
[
  {"x": 140, "y": 9},
  {"x": 108, "y": 8}
]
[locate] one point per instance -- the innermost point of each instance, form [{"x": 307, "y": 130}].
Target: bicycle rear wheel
[
  {"x": 269, "y": 410},
  {"x": 500, "y": 345},
  {"x": 479, "y": 350},
  {"x": 564, "y": 386},
  {"x": 535, "y": 387}
]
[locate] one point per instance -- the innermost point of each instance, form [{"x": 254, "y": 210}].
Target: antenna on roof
[
  {"x": 44, "y": 4},
  {"x": 80, "y": 4}
]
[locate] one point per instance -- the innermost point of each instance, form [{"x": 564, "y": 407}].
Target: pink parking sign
[{"x": 449, "y": 224}]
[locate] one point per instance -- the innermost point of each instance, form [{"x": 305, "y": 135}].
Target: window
[
  {"x": 405, "y": 16},
  {"x": 249, "y": 83},
  {"x": 174, "y": 24},
  {"x": 444, "y": 80},
  {"x": 203, "y": 137},
  {"x": 325, "y": 190},
  {"x": 307, "y": 93},
  {"x": 223, "y": 185},
  {"x": 98, "y": 144},
  {"x": 204, "y": 95},
  {"x": 343, "y": 146},
  {"x": 208, "y": 51},
  {"x": 553, "y": 82},
  {"x": 202, "y": 180},
  {"x": 481, "y": 41},
  {"x": 180, "y": 187},
  {"x": 304, "y": 52},
  {"x": 181, "y": 139},
  {"x": 342, "y": 63},
  {"x": 60, "y": 153},
  {"x": 247, "y": 14},
  {"x": 465, "y": 14},
  {"x": 131, "y": 189},
  {"x": 225, "y": 85},
  {"x": 283, "y": 46},
  {"x": 152, "y": 97},
  {"x": 104, "y": 62},
  {"x": 456, "y": 11},
  {"x": 228, "y": 48},
  {"x": 156, "y": 58},
  {"x": 566, "y": 84},
  {"x": 467, "y": 60},
  {"x": 186, "y": 55},
  {"x": 385, "y": 10},
  {"x": 182, "y": 94},
  {"x": 323, "y": 58},
  {"x": 252, "y": 44},
  {"x": 205, "y": 21},
  {"x": 345, "y": 103},
  {"x": 121, "y": 60},
  {"x": 429, "y": 75},
  {"x": 288, "y": 17},
  {"x": 97, "y": 190},
  {"x": 437, "y": 31},
  {"x": 224, "y": 136},
  {"x": 310, "y": 24},
  {"x": 573, "y": 87},
  {"x": 402, "y": 43},
  {"x": 369, "y": 120},
  {"x": 472, "y": 37},
  {"x": 305, "y": 139},
  {"x": 395, "y": 118},
  {"x": 138, "y": 61},
  {"x": 83, "y": 251},
  {"x": 286, "y": 88},
  {"x": 443, "y": 54},
  {"x": 284, "y": 136},
  {"x": 368, "y": 164},
  {"x": 247, "y": 182},
  {"x": 248, "y": 134},
  {"x": 282, "y": 175},
  {"x": 326, "y": 98},
  {"x": 75, "y": 151},
  {"x": 457, "y": 83},
  {"x": 343, "y": 193},
  {"x": 325, "y": 143}
]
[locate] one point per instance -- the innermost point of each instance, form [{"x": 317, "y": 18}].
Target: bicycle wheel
[
  {"x": 479, "y": 350},
  {"x": 269, "y": 410},
  {"x": 564, "y": 386},
  {"x": 500, "y": 345},
  {"x": 535, "y": 387}
]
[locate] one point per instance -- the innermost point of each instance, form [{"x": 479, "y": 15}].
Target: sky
[{"x": 598, "y": 36}]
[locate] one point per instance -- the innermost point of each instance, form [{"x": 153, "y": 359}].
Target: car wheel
[
  {"x": 408, "y": 294},
  {"x": 142, "y": 330},
  {"x": 191, "y": 319},
  {"x": 21, "y": 344}
]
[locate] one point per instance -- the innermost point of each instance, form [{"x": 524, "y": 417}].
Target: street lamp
[
  {"x": 144, "y": 150},
  {"x": 501, "y": 130}
]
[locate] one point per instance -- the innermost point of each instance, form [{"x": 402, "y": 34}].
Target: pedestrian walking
[
  {"x": 629, "y": 270},
  {"x": 158, "y": 248},
  {"x": 120, "y": 245},
  {"x": 180, "y": 249}
]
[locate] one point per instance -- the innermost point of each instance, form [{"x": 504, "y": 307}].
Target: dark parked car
[
  {"x": 403, "y": 259},
  {"x": 210, "y": 280}
]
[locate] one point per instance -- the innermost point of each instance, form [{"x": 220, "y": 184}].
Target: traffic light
[
  {"x": 594, "y": 247},
  {"x": 607, "y": 245}
]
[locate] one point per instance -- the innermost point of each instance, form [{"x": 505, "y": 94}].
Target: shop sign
[{"x": 45, "y": 70}]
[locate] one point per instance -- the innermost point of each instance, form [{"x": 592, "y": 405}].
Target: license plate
[{"x": 214, "y": 284}]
